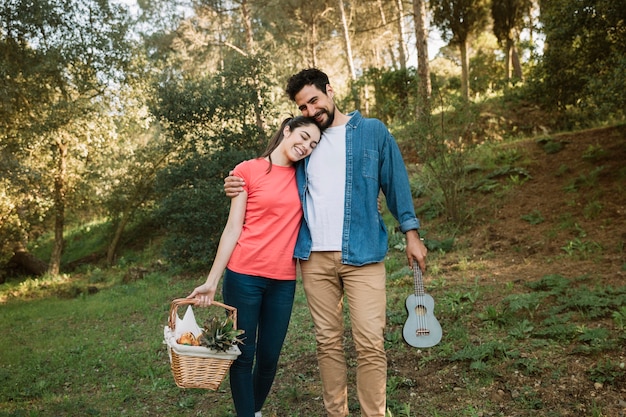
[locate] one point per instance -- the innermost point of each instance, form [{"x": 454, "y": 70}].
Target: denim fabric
[
  {"x": 263, "y": 312},
  {"x": 373, "y": 163}
]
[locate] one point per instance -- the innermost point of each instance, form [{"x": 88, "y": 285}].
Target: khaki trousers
[{"x": 326, "y": 280}]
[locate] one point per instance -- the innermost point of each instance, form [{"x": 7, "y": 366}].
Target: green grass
[
  {"x": 90, "y": 343},
  {"x": 91, "y": 355},
  {"x": 102, "y": 354}
]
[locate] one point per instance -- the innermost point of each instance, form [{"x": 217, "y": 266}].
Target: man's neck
[{"x": 340, "y": 119}]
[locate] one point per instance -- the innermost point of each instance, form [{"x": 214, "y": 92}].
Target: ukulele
[{"x": 421, "y": 329}]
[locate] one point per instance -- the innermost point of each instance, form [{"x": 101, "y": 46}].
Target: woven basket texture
[{"x": 198, "y": 372}]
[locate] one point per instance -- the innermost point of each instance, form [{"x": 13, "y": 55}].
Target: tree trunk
[
  {"x": 390, "y": 46},
  {"x": 60, "y": 188},
  {"x": 517, "y": 65},
  {"x": 464, "y": 71},
  {"x": 117, "y": 236},
  {"x": 401, "y": 46},
  {"x": 251, "y": 47},
  {"x": 346, "y": 39},
  {"x": 313, "y": 44},
  {"x": 507, "y": 67},
  {"x": 245, "y": 14},
  {"x": 423, "y": 68},
  {"x": 140, "y": 194}
]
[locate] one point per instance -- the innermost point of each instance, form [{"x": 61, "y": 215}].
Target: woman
[{"x": 256, "y": 249}]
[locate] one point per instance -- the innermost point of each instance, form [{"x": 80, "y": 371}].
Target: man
[{"x": 342, "y": 241}]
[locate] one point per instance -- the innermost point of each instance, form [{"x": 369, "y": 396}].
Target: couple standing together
[{"x": 320, "y": 208}]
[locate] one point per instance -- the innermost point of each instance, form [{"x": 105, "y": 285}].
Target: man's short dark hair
[{"x": 309, "y": 76}]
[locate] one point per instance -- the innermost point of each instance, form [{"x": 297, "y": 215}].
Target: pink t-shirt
[{"x": 273, "y": 215}]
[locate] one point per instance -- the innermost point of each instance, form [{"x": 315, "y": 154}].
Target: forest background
[
  {"x": 118, "y": 116},
  {"x": 118, "y": 122}
]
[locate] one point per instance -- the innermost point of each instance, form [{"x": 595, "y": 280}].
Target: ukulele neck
[{"x": 417, "y": 280}]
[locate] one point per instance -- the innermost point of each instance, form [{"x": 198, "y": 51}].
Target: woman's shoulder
[
  {"x": 252, "y": 163},
  {"x": 251, "y": 166}
]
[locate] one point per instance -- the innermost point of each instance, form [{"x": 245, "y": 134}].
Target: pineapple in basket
[{"x": 220, "y": 335}]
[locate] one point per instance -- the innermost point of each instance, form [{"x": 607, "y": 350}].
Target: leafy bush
[
  {"x": 214, "y": 123},
  {"x": 194, "y": 208}
]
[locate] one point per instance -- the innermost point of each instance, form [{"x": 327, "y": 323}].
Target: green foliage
[
  {"x": 490, "y": 182},
  {"x": 534, "y": 217},
  {"x": 61, "y": 61},
  {"x": 554, "y": 284},
  {"x": 551, "y": 146},
  {"x": 587, "y": 181},
  {"x": 608, "y": 371},
  {"x": 459, "y": 20},
  {"x": 122, "y": 321},
  {"x": 431, "y": 209},
  {"x": 445, "y": 245},
  {"x": 478, "y": 353},
  {"x": 522, "y": 329},
  {"x": 596, "y": 303},
  {"x": 220, "y": 335},
  {"x": 446, "y": 151},
  {"x": 594, "y": 153},
  {"x": 193, "y": 208},
  {"x": 457, "y": 303},
  {"x": 583, "y": 69},
  {"x": 556, "y": 327},
  {"x": 508, "y": 17},
  {"x": 583, "y": 248},
  {"x": 495, "y": 315},
  {"x": 526, "y": 302},
  {"x": 394, "y": 93},
  {"x": 213, "y": 125},
  {"x": 619, "y": 317},
  {"x": 596, "y": 336},
  {"x": 592, "y": 210}
]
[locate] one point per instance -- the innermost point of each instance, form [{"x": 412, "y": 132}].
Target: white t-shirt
[{"x": 326, "y": 172}]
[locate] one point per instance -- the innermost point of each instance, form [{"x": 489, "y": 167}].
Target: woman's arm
[{"x": 205, "y": 293}]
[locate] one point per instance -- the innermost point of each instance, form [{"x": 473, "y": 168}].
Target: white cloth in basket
[{"x": 189, "y": 324}]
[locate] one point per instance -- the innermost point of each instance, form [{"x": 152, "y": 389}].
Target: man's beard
[{"x": 329, "y": 119}]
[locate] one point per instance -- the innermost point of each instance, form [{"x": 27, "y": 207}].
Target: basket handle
[{"x": 232, "y": 311}]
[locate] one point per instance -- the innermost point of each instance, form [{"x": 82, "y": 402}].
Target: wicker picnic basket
[{"x": 198, "y": 366}]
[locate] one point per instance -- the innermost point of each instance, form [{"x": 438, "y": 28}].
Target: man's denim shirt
[{"x": 373, "y": 162}]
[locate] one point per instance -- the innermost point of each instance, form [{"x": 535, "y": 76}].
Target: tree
[
  {"x": 211, "y": 125},
  {"x": 584, "y": 64},
  {"x": 423, "y": 68},
  {"x": 458, "y": 20},
  {"x": 347, "y": 43},
  {"x": 63, "y": 57},
  {"x": 508, "y": 19},
  {"x": 402, "y": 52}
]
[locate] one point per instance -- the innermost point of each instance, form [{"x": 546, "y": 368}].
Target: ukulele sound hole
[{"x": 420, "y": 310}]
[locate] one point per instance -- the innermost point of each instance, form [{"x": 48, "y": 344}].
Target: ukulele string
[
  {"x": 422, "y": 299},
  {"x": 419, "y": 293}
]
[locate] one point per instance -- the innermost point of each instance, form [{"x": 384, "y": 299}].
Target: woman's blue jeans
[{"x": 263, "y": 312}]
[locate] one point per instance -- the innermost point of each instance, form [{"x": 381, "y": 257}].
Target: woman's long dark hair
[{"x": 293, "y": 123}]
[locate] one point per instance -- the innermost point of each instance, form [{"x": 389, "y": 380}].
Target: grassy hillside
[{"x": 532, "y": 301}]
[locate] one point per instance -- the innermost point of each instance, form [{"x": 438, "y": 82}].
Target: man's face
[{"x": 314, "y": 103}]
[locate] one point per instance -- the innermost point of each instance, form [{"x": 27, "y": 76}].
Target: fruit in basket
[
  {"x": 188, "y": 339},
  {"x": 220, "y": 334}
]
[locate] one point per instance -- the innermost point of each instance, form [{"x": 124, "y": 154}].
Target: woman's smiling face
[{"x": 300, "y": 142}]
